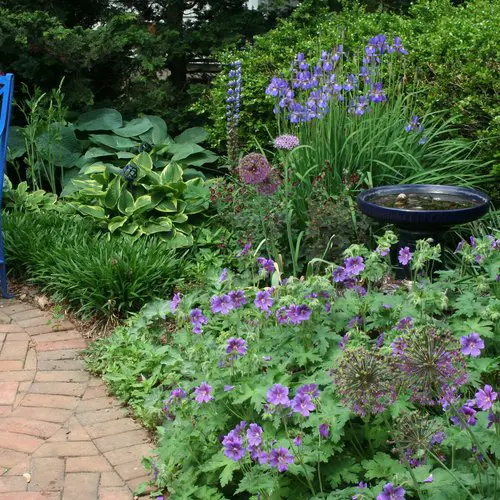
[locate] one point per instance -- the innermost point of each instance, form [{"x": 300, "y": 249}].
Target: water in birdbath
[{"x": 414, "y": 201}]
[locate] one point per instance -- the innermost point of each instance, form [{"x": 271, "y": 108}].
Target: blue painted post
[{"x": 6, "y": 91}]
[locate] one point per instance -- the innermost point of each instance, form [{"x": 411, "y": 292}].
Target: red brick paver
[{"x": 62, "y": 437}]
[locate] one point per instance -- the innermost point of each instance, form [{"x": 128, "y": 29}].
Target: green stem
[{"x": 452, "y": 474}]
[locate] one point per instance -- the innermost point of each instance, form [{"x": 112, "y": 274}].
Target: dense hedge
[
  {"x": 99, "y": 278},
  {"x": 452, "y": 49}
]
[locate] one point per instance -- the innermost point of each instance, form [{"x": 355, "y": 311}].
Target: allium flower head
[
  {"x": 270, "y": 184},
  {"x": 472, "y": 344},
  {"x": 365, "y": 380},
  {"x": 405, "y": 256},
  {"x": 485, "y": 397},
  {"x": 286, "y": 141},
  {"x": 254, "y": 168},
  {"x": 280, "y": 458},
  {"x": 389, "y": 492},
  {"x": 431, "y": 363},
  {"x": 278, "y": 395},
  {"x": 203, "y": 393},
  {"x": 236, "y": 346}
]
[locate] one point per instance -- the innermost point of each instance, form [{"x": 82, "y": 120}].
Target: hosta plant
[
  {"x": 138, "y": 200},
  {"x": 342, "y": 385}
]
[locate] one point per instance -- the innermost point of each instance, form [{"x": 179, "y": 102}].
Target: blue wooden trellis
[{"x": 6, "y": 91}]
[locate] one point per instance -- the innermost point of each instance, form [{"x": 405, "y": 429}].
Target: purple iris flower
[
  {"x": 485, "y": 397},
  {"x": 472, "y": 344},
  {"x": 221, "y": 304},
  {"x": 389, "y": 492},
  {"x": 302, "y": 404},
  {"x": 278, "y": 395},
  {"x": 254, "y": 435},
  {"x": 405, "y": 256},
  {"x": 280, "y": 458},
  {"x": 203, "y": 393},
  {"x": 377, "y": 94},
  {"x": 263, "y": 300},
  {"x": 397, "y": 46},
  {"x": 236, "y": 346}
]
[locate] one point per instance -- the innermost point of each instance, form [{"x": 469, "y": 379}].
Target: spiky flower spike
[
  {"x": 432, "y": 365},
  {"x": 414, "y": 435},
  {"x": 366, "y": 380}
]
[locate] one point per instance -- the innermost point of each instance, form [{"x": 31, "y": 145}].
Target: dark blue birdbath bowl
[{"x": 422, "y": 211}]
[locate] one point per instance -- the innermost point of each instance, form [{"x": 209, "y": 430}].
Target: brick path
[{"x": 61, "y": 436}]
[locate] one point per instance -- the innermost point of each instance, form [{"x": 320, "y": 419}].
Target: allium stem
[{"x": 451, "y": 474}]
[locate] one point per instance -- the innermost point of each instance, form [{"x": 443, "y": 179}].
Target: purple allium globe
[
  {"x": 431, "y": 363},
  {"x": 270, "y": 184},
  {"x": 254, "y": 168},
  {"x": 286, "y": 142},
  {"x": 366, "y": 380}
]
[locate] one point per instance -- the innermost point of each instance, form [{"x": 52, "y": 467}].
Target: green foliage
[
  {"x": 452, "y": 51},
  {"x": 153, "y": 203},
  {"x": 157, "y": 352},
  {"x": 56, "y": 152},
  {"x": 21, "y": 199},
  {"x": 70, "y": 260}
]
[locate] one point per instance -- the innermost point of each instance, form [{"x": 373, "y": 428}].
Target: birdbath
[{"x": 421, "y": 211}]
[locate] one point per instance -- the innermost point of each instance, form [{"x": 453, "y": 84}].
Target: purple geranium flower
[
  {"x": 197, "y": 320},
  {"x": 297, "y": 441},
  {"x": 324, "y": 430},
  {"x": 460, "y": 245},
  {"x": 278, "y": 395},
  {"x": 174, "y": 303},
  {"x": 221, "y": 304},
  {"x": 223, "y": 275},
  {"x": 177, "y": 394},
  {"x": 236, "y": 346},
  {"x": 437, "y": 438},
  {"x": 266, "y": 264},
  {"x": 468, "y": 412},
  {"x": 228, "y": 388},
  {"x": 354, "y": 265},
  {"x": 244, "y": 250},
  {"x": 472, "y": 344},
  {"x": 233, "y": 446},
  {"x": 238, "y": 298},
  {"x": 485, "y": 397},
  {"x": 254, "y": 435},
  {"x": 303, "y": 404},
  {"x": 339, "y": 274},
  {"x": 203, "y": 393},
  {"x": 382, "y": 251},
  {"x": 404, "y": 257},
  {"x": 280, "y": 458},
  {"x": 263, "y": 300},
  {"x": 310, "y": 389},
  {"x": 392, "y": 493},
  {"x": 406, "y": 322}
]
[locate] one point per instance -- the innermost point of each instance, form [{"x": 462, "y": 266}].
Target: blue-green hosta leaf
[
  {"x": 182, "y": 151},
  {"x": 143, "y": 203},
  {"x": 171, "y": 173},
  {"x": 179, "y": 218},
  {"x": 126, "y": 202},
  {"x": 116, "y": 222},
  {"x": 194, "y": 134},
  {"x": 16, "y": 146},
  {"x": 200, "y": 159},
  {"x": 99, "y": 119},
  {"x": 124, "y": 155},
  {"x": 60, "y": 144},
  {"x": 168, "y": 205},
  {"x": 98, "y": 153},
  {"x": 113, "y": 141},
  {"x": 159, "y": 134},
  {"x": 97, "y": 212},
  {"x": 134, "y": 128},
  {"x": 144, "y": 163},
  {"x": 113, "y": 193}
]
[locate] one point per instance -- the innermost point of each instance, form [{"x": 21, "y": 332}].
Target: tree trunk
[{"x": 176, "y": 59}]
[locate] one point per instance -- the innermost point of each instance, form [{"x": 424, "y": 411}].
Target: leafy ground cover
[{"x": 341, "y": 384}]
